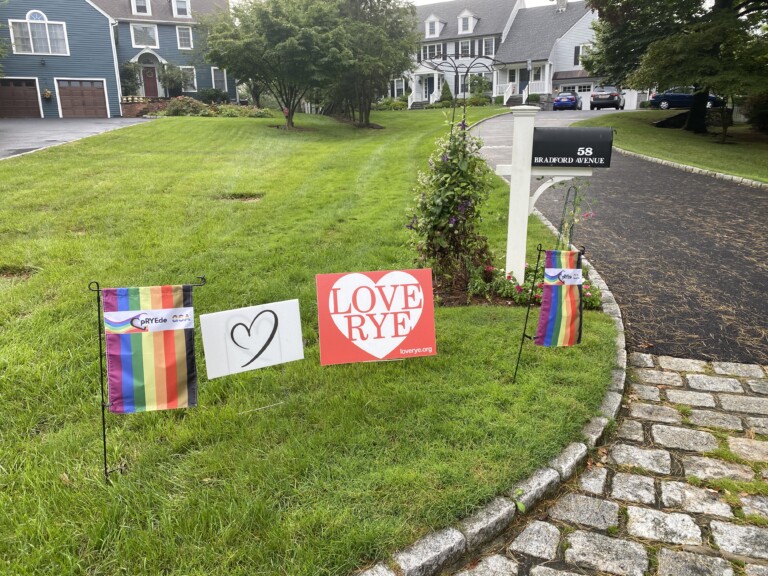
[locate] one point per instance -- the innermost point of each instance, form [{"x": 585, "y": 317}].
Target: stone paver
[
  {"x": 655, "y": 413},
  {"x": 566, "y": 463},
  {"x": 693, "y": 499},
  {"x": 594, "y": 430},
  {"x": 744, "y": 404},
  {"x": 755, "y": 505},
  {"x": 631, "y": 430},
  {"x": 652, "y": 460},
  {"x": 683, "y": 438},
  {"x": 711, "y": 469},
  {"x": 759, "y": 425},
  {"x": 646, "y": 392},
  {"x": 546, "y": 571},
  {"x": 682, "y": 364},
  {"x": 734, "y": 369},
  {"x": 672, "y": 528},
  {"x": 378, "y": 570},
  {"x": 747, "y": 541},
  {"x": 659, "y": 377},
  {"x": 495, "y": 565},
  {"x": 641, "y": 360},
  {"x": 701, "y": 399},
  {"x": 758, "y": 386},
  {"x": 594, "y": 480},
  {"x": 754, "y": 450},
  {"x": 674, "y": 563},
  {"x": 710, "y": 419},
  {"x": 586, "y": 510},
  {"x": 611, "y": 404},
  {"x": 539, "y": 539},
  {"x": 611, "y": 555},
  {"x": 534, "y": 488},
  {"x": 756, "y": 570},
  {"x": 488, "y": 523},
  {"x": 432, "y": 553},
  {"x": 633, "y": 488},
  {"x": 714, "y": 383}
]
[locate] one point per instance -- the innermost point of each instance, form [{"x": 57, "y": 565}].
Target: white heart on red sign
[{"x": 376, "y": 316}]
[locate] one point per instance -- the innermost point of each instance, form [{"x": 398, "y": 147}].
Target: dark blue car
[
  {"x": 680, "y": 98},
  {"x": 567, "y": 101}
]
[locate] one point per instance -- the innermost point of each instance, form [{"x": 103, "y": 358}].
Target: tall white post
[{"x": 519, "y": 188}]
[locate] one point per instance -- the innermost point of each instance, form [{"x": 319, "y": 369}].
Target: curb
[
  {"x": 694, "y": 170},
  {"x": 439, "y": 550}
]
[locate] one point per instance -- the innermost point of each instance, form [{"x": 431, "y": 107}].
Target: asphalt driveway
[
  {"x": 22, "y": 135},
  {"x": 683, "y": 253}
]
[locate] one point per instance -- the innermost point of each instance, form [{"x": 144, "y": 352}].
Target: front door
[
  {"x": 429, "y": 86},
  {"x": 149, "y": 79},
  {"x": 525, "y": 75}
]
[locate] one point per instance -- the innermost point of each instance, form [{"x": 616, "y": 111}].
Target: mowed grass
[
  {"x": 744, "y": 153},
  {"x": 349, "y": 463}
]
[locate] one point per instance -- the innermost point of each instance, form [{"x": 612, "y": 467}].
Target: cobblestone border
[
  {"x": 437, "y": 551},
  {"x": 694, "y": 170}
]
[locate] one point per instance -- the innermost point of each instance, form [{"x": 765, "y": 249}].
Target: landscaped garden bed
[{"x": 299, "y": 469}]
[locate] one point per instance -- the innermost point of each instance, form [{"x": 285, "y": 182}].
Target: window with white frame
[
  {"x": 431, "y": 51},
  {"x": 585, "y": 87},
  {"x": 464, "y": 49},
  {"x": 489, "y": 46},
  {"x": 536, "y": 76},
  {"x": 567, "y": 88},
  {"x": 219, "y": 78},
  {"x": 181, "y": 8},
  {"x": 399, "y": 87},
  {"x": 466, "y": 22},
  {"x": 512, "y": 75},
  {"x": 184, "y": 37},
  {"x": 144, "y": 36},
  {"x": 36, "y": 35},
  {"x": 189, "y": 75},
  {"x": 141, "y": 7},
  {"x": 579, "y": 52}
]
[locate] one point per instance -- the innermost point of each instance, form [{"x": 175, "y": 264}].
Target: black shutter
[
  {"x": 472, "y": 48},
  {"x": 445, "y": 50},
  {"x": 418, "y": 55},
  {"x": 405, "y": 85},
  {"x": 576, "y": 54},
  {"x": 392, "y": 89},
  {"x": 457, "y": 52},
  {"x": 456, "y": 85},
  {"x": 496, "y": 43}
]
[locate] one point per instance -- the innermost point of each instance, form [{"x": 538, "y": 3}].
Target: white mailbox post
[{"x": 556, "y": 154}]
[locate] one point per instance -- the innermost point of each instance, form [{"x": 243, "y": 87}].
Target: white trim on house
[
  {"x": 492, "y": 40},
  {"x": 213, "y": 78},
  {"x": 145, "y": 25},
  {"x": 150, "y": 52},
  {"x": 466, "y": 22},
  {"x": 103, "y": 83},
  {"x": 194, "y": 78},
  {"x": 178, "y": 38},
  {"x": 188, "y": 8},
  {"x": 438, "y": 25},
  {"x": 28, "y": 21},
  {"x": 135, "y": 10},
  {"x": 37, "y": 84}
]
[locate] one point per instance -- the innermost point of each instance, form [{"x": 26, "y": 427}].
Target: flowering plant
[
  {"x": 47, "y": 94},
  {"x": 506, "y": 286},
  {"x": 444, "y": 221}
]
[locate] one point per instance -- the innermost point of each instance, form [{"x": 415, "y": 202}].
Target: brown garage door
[
  {"x": 18, "y": 98},
  {"x": 82, "y": 99}
]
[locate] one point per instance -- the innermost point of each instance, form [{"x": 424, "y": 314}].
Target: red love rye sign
[{"x": 370, "y": 316}]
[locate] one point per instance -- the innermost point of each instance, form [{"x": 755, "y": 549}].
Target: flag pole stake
[{"x": 540, "y": 249}]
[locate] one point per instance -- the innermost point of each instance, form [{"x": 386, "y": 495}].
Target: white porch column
[{"x": 519, "y": 188}]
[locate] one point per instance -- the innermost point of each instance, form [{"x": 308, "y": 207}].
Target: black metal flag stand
[
  {"x": 94, "y": 287},
  {"x": 528, "y": 311}
]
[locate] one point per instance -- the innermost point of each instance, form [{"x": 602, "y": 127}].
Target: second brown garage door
[{"x": 82, "y": 99}]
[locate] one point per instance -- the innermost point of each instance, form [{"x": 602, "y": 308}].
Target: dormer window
[
  {"x": 141, "y": 7},
  {"x": 181, "y": 8},
  {"x": 432, "y": 27},
  {"x": 467, "y": 22}
]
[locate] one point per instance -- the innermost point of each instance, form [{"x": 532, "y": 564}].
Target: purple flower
[
  {"x": 445, "y": 158},
  {"x": 463, "y": 206},
  {"x": 463, "y": 125},
  {"x": 412, "y": 224},
  {"x": 452, "y": 220}
]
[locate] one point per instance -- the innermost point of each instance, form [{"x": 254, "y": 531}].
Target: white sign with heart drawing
[{"x": 250, "y": 338}]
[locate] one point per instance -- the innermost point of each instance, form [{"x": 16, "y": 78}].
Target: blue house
[
  {"x": 63, "y": 57},
  {"x": 155, "y": 33},
  {"x": 60, "y": 62}
]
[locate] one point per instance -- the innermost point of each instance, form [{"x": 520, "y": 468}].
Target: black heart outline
[
  {"x": 248, "y": 330},
  {"x": 137, "y": 317}
]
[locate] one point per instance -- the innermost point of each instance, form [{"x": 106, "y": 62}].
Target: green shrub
[
  {"x": 645, "y": 104},
  {"x": 756, "y": 110},
  {"x": 478, "y": 100},
  {"x": 498, "y": 100},
  {"x": 404, "y": 96},
  {"x": 534, "y": 98},
  {"x": 445, "y": 93},
  {"x": 390, "y": 104},
  {"x": 234, "y": 111},
  {"x": 506, "y": 286},
  {"x": 213, "y": 96},
  {"x": 186, "y": 106}
]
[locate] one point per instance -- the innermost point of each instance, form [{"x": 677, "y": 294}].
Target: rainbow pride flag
[
  {"x": 560, "y": 316},
  {"x": 150, "y": 348}
]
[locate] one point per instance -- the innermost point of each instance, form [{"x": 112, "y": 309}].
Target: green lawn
[
  {"x": 743, "y": 154},
  {"x": 355, "y": 461}
]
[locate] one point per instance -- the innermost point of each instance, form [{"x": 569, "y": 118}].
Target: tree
[
  {"x": 710, "y": 45},
  {"x": 285, "y": 46},
  {"x": 377, "y": 41}
]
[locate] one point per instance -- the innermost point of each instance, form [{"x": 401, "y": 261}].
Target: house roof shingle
[
  {"x": 535, "y": 30},
  {"x": 492, "y": 17},
  {"x": 162, "y": 11}
]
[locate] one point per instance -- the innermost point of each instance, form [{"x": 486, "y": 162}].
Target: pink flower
[
  {"x": 586, "y": 286},
  {"x": 489, "y": 268},
  {"x": 519, "y": 288},
  {"x": 540, "y": 285},
  {"x": 589, "y": 293},
  {"x": 509, "y": 276}
]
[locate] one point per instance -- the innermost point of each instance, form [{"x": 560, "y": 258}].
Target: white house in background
[{"x": 520, "y": 50}]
